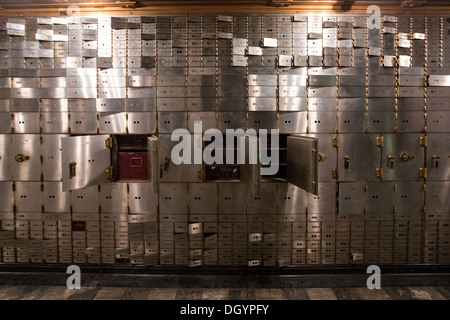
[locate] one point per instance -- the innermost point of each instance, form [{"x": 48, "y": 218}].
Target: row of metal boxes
[
  {"x": 271, "y": 58},
  {"x": 271, "y": 25},
  {"x": 390, "y": 241},
  {"x": 166, "y": 122},
  {"x": 301, "y": 242},
  {"x": 56, "y": 53},
  {"x": 48, "y": 197},
  {"x": 354, "y": 198},
  {"x": 359, "y": 157},
  {"x": 79, "y": 238},
  {"x": 204, "y": 200}
]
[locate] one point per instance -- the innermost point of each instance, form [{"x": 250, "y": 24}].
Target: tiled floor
[{"x": 124, "y": 293}]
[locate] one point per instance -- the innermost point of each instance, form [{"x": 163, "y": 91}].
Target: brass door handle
[
  {"x": 161, "y": 170},
  {"x": 166, "y": 163},
  {"x": 321, "y": 157},
  {"x": 21, "y": 158},
  {"x": 347, "y": 162},
  {"x": 435, "y": 161},
  {"x": 391, "y": 161},
  {"x": 72, "y": 169}
]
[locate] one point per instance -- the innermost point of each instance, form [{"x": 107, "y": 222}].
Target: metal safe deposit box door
[
  {"x": 302, "y": 162},
  {"x": 86, "y": 161},
  {"x": 302, "y": 169}
]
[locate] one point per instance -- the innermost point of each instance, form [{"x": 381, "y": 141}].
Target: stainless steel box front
[
  {"x": 328, "y": 156},
  {"x": 438, "y": 153},
  {"x": 264, "y": 201},
  {"x": 141, "y": 198},
  {"x": 358, "y": 157},
  {"x": 325, "y": 200},
  {"x": 113, "y": 198},
  {"x": 6, "y": 187},
  {"x": 402, "y": 157},
  {"x": 55, "y": 122},
  {"x": 5, "y": 122},
  {"x": 380, "y": 197},
  {"x": 112, "y": 122},
  {"x": 84, "y": 154},
  {"x": 232, "y": 198},
  {"x": 436, "y": 199},
  {"x": 6, "y": 158},
  {"x": 173, "y": 198},
  {"x": 86, "y": 200},
  {"x": 54, "y": 199},
  {"x": 203, "y": 198},
  {"x": 83, "y": 122},
  {"x": 141, "y": 122},
  {"x": 292, "y": 122},
  {"x": 28, "y": 196},
  {"x": 352, "y": 198},
  {"x": 169, "y": 121},
  {"x": 408, "y": 197},
  {"x": 183, "y": 172},
  {"x": 51, "y": 157},
  {"x": 26, "y": 150}
]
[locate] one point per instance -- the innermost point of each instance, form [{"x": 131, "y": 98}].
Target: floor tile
[
  {"x": 346, "y": 294},
  {"x": 136, "y": 294},
  {"x": 57, "y": 293},
  {"x": 321, "y": 294},
  {"x": 268, "y": 294},
  {"x": 215, "y": 294},
  {"x": 372, "y": 294},
  {"x": 241, "y": 294},
  {"x": 397, "y": 293},
  {"x": 110, "y": 293},
  {"x": 189, "y": 294},
  {"x": 426, "y": 293},
  {"x": 295, "y": 294},
  {"x": 162, "y": 294},
  {"x": 444, "y": 291}
]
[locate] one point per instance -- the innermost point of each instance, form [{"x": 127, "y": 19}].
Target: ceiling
[
  {"x": 92, "y": 7},
  {"x": 5, "y": 3}
]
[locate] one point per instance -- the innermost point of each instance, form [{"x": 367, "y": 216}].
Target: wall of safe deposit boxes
[{"x": 383, "y": 129}]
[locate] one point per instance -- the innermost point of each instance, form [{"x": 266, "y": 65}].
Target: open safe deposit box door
[
  {"x": 302, "y": 162},
  {"x": 86, "y": 161}
]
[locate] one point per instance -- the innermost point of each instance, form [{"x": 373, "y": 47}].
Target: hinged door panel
[
  {"x": 85, "y": 161},
  {"x": 402, "y": 157},
  {"x": 302, "y": 162}
]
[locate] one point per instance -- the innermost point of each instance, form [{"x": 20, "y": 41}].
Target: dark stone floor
[{"x": 128, "y": 293}]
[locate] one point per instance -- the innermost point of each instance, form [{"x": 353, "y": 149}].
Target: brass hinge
[
  {"x": 109, "y": 173},
  {"x": 109, "y": 143},
  {"x": 281, "y": 3},
  {"x": 335, "y": 173},
  {"x": 423, "y": 172},
  {"x": 200, "y": 174},
  {"x": 380, "y": 141},
  {"x": 424, "y": 141},
  {"x": 379, "y": 173},
  {"x": 336, "y": 142}
]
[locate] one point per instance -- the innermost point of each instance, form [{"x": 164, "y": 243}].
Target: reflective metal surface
[{"x": 375, "y": 101}]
